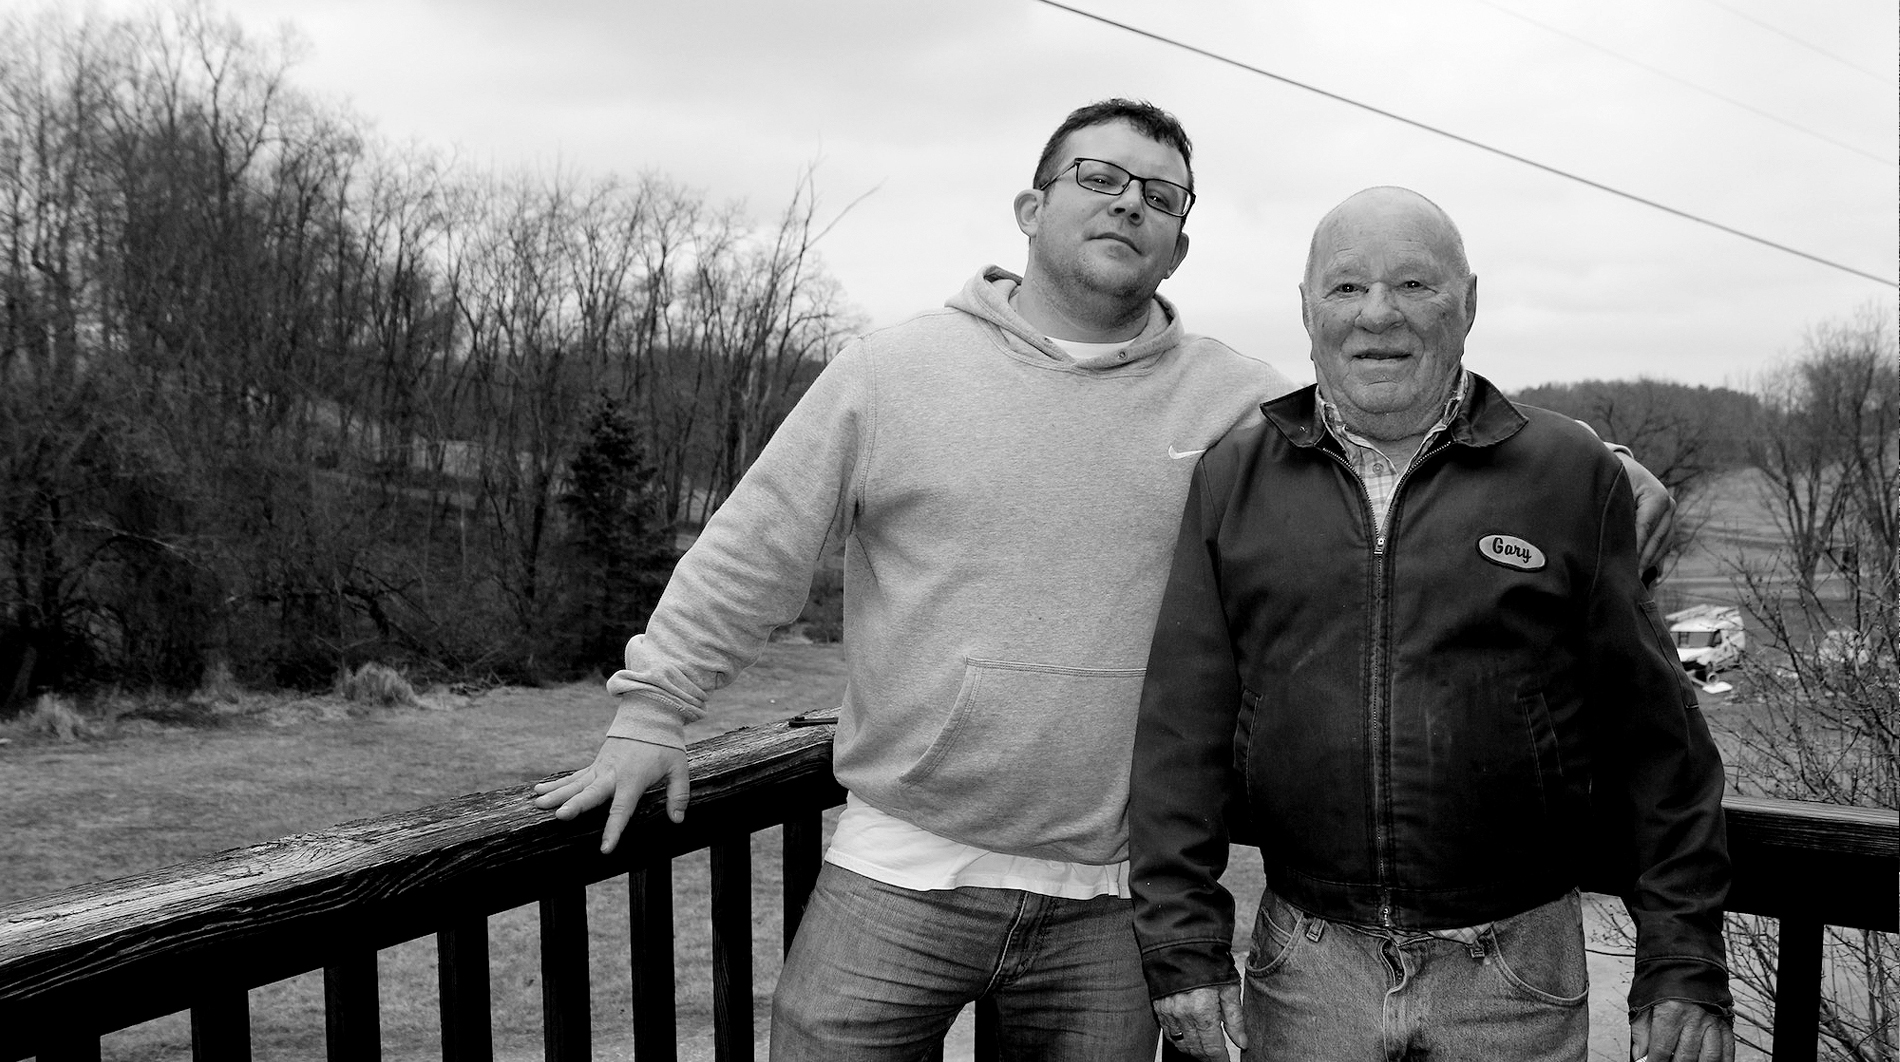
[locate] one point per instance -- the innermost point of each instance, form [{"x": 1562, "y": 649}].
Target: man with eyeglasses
[{"x": 1006, "y": 475}]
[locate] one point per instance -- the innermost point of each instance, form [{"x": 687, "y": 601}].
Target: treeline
[
  {"x": 1683, "y": 434},
  {"x": 277, "y": 400},
  {"x": 1822, "y": 429}
]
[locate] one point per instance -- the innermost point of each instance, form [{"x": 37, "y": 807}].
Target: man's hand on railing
[
  {"x": 1677, "y": 1031},
  {"x": 622, "y": 771}
]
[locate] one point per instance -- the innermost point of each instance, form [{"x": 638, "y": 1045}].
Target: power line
[
  {"x": 1660, "y": 72},
  {"x": 1467, "y": 141},
  {"x": 1817, "y": 49}
]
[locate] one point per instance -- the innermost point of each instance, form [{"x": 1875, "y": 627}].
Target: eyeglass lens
[{"x": 1110, "y": 179}]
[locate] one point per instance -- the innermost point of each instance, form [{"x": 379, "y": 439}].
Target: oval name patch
[{"x": 1511, "y": 552}]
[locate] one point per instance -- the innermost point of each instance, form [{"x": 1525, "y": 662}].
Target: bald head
[
  {"x": 1392, "y": 209},
  {"x": 1387, "y": 301}
]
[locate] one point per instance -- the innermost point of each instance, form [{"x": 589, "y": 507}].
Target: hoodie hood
[{"x": 987, "y": 294}]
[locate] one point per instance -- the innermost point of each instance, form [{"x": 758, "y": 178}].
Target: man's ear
[
  {"x": 1306, "y": 318},
  {"x": 1029, "y": 211},
  {"x": 1180, "y": 252},
  {"x": 1471, "y": 302}
]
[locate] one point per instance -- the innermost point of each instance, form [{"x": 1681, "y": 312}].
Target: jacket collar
[{"x": 1485, "y": 418}]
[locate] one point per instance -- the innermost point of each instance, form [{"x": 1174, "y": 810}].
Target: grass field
[{"x": 142, "y": 794}]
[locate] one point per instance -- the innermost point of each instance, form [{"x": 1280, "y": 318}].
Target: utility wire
[
  {"x": 1467, "y": 141},
  {"x": 1818, "y": 50},
  {"x": 1660, "y": 72}
]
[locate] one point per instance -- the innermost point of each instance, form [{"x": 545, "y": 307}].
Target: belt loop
[{"x": 1315, "y": 928}]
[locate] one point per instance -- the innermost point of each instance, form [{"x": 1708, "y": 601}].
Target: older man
[
  {"x": 1005, "y": 474},
  {"x": 1404, "y": 624}
]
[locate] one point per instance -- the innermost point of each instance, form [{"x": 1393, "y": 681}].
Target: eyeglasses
[{"x": 1110, "y": 179}]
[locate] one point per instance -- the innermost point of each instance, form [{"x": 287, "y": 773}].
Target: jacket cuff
[
  {"x": 1681, "y": 977},
  {"x": 649, "y": 720},
  {"x": 1186, "y": 964}
]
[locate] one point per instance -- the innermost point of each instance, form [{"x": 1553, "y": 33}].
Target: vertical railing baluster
[
  {"x": 461, "y": 959},
  {"x": 352, "y": 1027},
  {"x": 803, "y": 845},
  {"x": 732, "y": 949},
  {"x": 1798, "y": 990},
  {"x": 564, "y": 1003},
  {"x": 221, "y": 1026},
  {"x": 650, "y": 915},
  {"x": 989, "y": 1044}
]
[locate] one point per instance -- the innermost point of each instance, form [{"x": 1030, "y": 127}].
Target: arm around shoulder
[{"x": 1657, "y": 791}]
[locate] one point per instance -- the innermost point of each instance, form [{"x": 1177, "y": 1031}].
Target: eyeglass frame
[{"x": 1075, "y": 164}]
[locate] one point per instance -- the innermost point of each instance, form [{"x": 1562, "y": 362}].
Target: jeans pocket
[
  {"x": 1276, "y": 933},
  {"x": 1540, "y": 953}
]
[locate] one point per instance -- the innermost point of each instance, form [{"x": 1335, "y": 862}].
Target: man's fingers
[
  {"x": 1230, "y": 1015},
  {"x": 678, "y": 786},
  {"x": 585, "y": 798},
  {"x": 552, "y": 793},
  {"x": 1665, "y": 1031},
  {"x": 617, "y": 816},
  {"x": 555, "y": 796},
  {"x": 1712, "y": 1043}
]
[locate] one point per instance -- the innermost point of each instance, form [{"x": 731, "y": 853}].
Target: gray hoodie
[{"x": 1008, "y": 513}]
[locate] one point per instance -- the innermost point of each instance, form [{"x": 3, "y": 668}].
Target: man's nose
[
  {"x": 1129, "y": 201},
  {"x": 1378, "y": 311}
]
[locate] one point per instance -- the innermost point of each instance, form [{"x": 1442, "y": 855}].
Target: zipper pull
[{"x": 1378, "y": 546}]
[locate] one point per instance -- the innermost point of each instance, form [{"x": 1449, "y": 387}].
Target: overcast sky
[{"x": 938, "y": 110}]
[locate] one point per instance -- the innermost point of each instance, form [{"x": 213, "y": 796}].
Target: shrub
[
  {"x": 55, "y": 717},
  {"x": 377, "y": 685}
]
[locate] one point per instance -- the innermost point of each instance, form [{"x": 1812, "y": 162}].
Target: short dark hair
[{"x": 1149, "y": 120}]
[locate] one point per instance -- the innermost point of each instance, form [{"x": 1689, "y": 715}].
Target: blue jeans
[
  {"x": 1328, "y": 990},
  {"x": 880, "y": 972}
]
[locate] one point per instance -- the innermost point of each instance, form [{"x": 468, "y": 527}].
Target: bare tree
[{"x": 1826, "y": 446}]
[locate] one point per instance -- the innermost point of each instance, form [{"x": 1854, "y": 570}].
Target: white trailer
[{"x": 1708, "y": 638}]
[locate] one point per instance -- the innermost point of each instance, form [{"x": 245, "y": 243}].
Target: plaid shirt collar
[{"x": 1376, "y": 471}]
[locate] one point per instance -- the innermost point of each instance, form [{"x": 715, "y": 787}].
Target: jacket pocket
[{"x": 1546, "y": 753}]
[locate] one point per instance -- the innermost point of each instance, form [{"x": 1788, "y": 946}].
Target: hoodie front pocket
[{"x": 1051, "y": 741}]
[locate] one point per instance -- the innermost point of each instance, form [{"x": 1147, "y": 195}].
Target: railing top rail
[
  {"x": 252, "y": 915},
  {"x": 1870, "y": 832}
]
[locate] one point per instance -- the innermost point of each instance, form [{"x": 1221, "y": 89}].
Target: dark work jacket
[{"x": 1440, "y": 726}]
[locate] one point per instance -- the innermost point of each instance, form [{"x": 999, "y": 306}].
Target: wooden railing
[{"x": 90, "y": 960}]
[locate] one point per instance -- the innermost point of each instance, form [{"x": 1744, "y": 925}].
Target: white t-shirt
[{"x": 885, "y": 848}]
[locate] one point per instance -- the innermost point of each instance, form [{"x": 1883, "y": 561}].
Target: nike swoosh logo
[{"x": 1179, "y": 454}]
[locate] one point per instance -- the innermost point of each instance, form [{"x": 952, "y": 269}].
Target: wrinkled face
[
  {"x": 1387, "y": 303},
  {"x": 1085, "y": 243}
]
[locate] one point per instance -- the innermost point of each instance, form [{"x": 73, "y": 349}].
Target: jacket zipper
[
  {"x": 1379, "y": 701},
  {"x": 1375, "y": 707}
]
